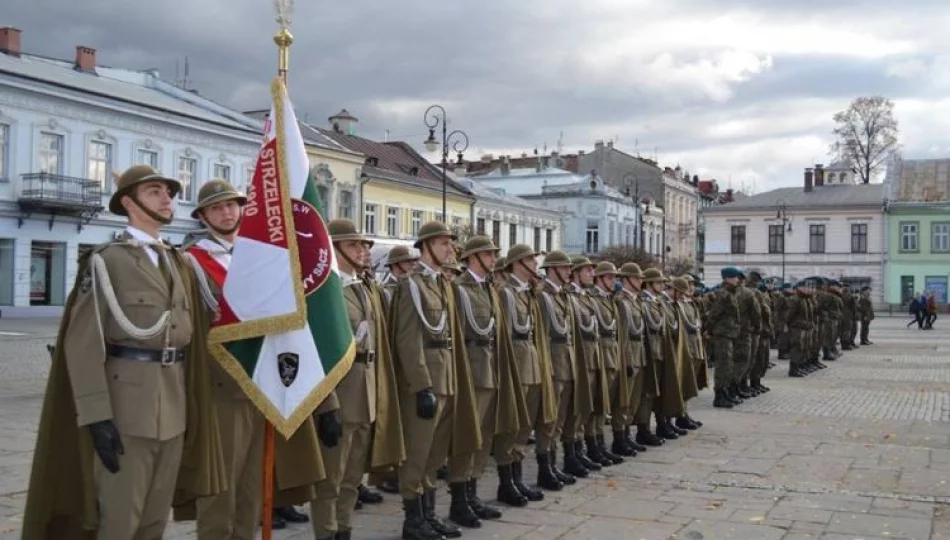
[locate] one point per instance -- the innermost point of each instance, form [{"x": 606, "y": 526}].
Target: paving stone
[
  {"x": 871, "y": 480},
  {"x": 873, "y": 525},
  {"x": 799, "y": 513},
  {"x": 623, "y": 508},
  {"x": 728, "y": 530},
  {"x": 885, "y": 506},
  {"x": 747, "y": 465},
  {"x": 604, "y": 527}
]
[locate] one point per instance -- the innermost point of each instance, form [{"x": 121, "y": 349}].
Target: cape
[
  {"x": 389, "y": 449},
  {"x": 585, "y": 402},
  {"x": 61, "y": 500},
  {"x": 511, "y": 411}
]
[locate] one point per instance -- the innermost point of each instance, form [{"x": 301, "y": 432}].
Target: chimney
[
  {"x": 809, "y": 176},
  {"x": 695, "y": 180},
  {"x": 10, "y": 41},
  {"x": 598, "y": 145},
  {"x": 819, "y": 175},
  {"x": 85, "y": 59},
  {"x": 580, "y": 152},
  {"x": 729, "y": 193},
  {"x": 610, "y": 144}
]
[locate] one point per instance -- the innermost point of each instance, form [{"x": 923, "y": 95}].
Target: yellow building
[{"x": 398, "y": 190}]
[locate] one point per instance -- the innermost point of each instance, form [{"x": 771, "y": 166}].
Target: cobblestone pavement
[{"x": 860, "y": 450}]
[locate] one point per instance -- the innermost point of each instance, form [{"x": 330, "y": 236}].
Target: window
[
  {"x": 345, "y": 206},
  {"x": 737, "y": 243},
  {"x": 146, "y": 157},
  {"x": 369, "y": 219},
  {"x": 249, "y": 179},
  {"x": 187, "y": 167},
  {"x": 613, "y": 227},
  {"x": 512, "y": 234},
  {"x": 859, "y": 238},
  {"x": 537, "y": 239},
  {"x": 47, "y": 273},
  {"x": 496, "y": 232},
  {"x": 907, "y": 289},
  {"x": 222, "y": 171},
  {"x": 99, "y": 167},
  {"x": 548, "y": 240},
  {"x": 593, "y": 237},
  {"x": 324, "y": 194},
  {"x": 392, "y": 221},
  {"x": 908, "y": 236},
  {"x": 940, "y": 237},
  {"x": 416, "y": 222},
  {"x": 4, "y": 152},
  {"x": 6, "y": 271},
  {"x": 816, "y": 239},
  {"x": 776, "y": 239},
  {"x": 51, "y": 153},
  {"x": 480, "y": 226}
]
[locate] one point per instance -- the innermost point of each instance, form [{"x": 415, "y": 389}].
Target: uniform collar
[
  {"x": 142, "y": 236},
  {"x": 555, "y": 286},
  {"x": 476, "y": 277}
]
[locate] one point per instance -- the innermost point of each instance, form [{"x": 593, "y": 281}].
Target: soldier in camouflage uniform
[
  {"x": 848, "y": 312},
  {"x": 799, "y": 323},
  {"x": 814, "y": 343},
  {"x": 865, "y": 314},
  {"x": 760, "y": 363},
  {"x": 749, "y": 330},
  {"x": 724, "y": 319},
  {"x": 780, "y": 316}
]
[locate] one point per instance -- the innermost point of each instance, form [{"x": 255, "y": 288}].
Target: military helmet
[
  {"x": 343, "y": 229},
  {"x": 433, "y": 229},
  {"x": 580, "y": 262},
  {"x": 605, "y": 268},
  {"x": 215, "y": 191},
  {"x": 518, "y": 252},
  {"x": 555, "y": 259},
  {"x": 630, "y": 269},
  {"x": 478, "y": 244},
  {"x": 653, "y": 275},
  {"x": 500, "y": 264},
  {"x": 132, "y": 177},
  {"x": 450, "y": 264},
  {"x": 400, "y": 254},
  {"x": 680, "y": 284}
]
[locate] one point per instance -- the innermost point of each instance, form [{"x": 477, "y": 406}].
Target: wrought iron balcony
[{"x": 55, "y": 194}]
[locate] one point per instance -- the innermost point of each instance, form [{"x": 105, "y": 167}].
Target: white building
[
  {"x": 682, "y": 204},
  {"x": 594, "y": 215},
  {"x": 511, "y": 220},
  {"x": 833, "y": 230},
  {"x": 66, "y": 127}
]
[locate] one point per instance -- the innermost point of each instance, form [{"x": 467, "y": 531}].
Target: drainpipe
[
  {"x": 364, "y": 179},
  {"x": 885, "y": 252}
]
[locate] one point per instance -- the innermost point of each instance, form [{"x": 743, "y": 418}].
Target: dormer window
[{"x": 372, "y": 161}]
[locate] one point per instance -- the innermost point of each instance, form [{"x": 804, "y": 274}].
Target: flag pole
[{"x": 283, "y": 39}]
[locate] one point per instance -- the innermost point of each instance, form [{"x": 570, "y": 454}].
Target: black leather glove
[
  {"x": 108, "y": 445},
  {"x": 426, "y": 404},
  {"x": 630, "y": 372},
  {"x": 329, "y": 428}
]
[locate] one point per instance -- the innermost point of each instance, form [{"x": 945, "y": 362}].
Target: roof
[
  {"x": 499, "y": 195},
  {"x": 827, "y": 196},
  {"x": 141, "y": 88},
  {"x": 395, "y": 161},
  {"x": 919, "y": 180}
]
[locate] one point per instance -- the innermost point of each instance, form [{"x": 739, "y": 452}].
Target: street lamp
[
  {"x": 625, "y": 180},
  {"x": 645, "y": 199},
  {"x": 457, "y": 139},
  {"x": 781, "y": 214}
]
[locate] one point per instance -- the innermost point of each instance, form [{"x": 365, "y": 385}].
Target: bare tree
[
  {"x": 624, "y": 253},
  {"x": 866, "y": 134},
  {"x": 679, "y": 266},
  {"x": 464, "y": 234}
]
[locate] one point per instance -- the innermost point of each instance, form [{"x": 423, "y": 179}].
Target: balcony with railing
[{"x": 58, "y": 195}]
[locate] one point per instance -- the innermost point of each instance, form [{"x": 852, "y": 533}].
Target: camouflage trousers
[
  {"x": 743, "y": 357},
  {"x": 800, "y": 345},
  {"x": 829, "y": 334},
  {"x": 760, "y": 364},
  {"x": 865, "y": 330},
  {"x": 724, "y": 350},
  {"x": 844, "y": 331}
]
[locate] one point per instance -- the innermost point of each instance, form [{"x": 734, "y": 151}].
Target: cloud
[{"x": 740, "y": 88}]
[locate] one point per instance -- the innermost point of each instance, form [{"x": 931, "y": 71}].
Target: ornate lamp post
[
  {"x": 457, "y": 139},
  {"x": 781, "y": 214},
  {"x": 625, "y": 180}
]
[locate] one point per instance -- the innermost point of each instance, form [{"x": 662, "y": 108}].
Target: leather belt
[
  {"x": 520, "y": 337},
  {"x": 165, "y": 357},
  {"x": 479, "y": 342},
  {"x": 438, "y": 344},
  {"x": 638, "y": 337},
  {"x": 558, "y": 339},
  {"x": 608, "y": 334},
  {"x": 590, "y": 337},
  {"x": 366, "y": 357}
]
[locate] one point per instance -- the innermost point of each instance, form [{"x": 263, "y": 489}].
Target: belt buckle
[
  {"x": 168, "y": 356},
  {"x": 370, "y": 357}
]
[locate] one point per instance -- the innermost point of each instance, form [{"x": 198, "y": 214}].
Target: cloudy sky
[{"x": 739, "y": 90}]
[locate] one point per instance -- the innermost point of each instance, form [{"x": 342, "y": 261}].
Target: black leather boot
[
  {"x": 620, "y": 446},
  {"x": 291, "y": 515},
  {"x": 277, "y": 523},
  {"x": 482, "y": 510},
  {"x": 565, "y": 478},
  {"x": 637, "y": 447},
  {"x": 460, "y": 511},
  {"x": 343, "y": 535},
  {"x": 615, "y": 459},
  {"x": 742, "y": 392},
  {"x": 684, "y": 422},
  {"x": 428, "y": 510},
  {"x": 665, "y": 430},
  {"x": 721, "y": 401},
  {"x": 676, "y": 429},
  {"x": 414, "y": 525},
  {"x": 593, "y": 452},
  {"x": 585, "y": 461},
  {"x": 572, "y": 465},
  {"x": 546, "y": 477},
  {"x": 533, "y": 495},
  {"x": 366, "y": 495},
  {"x": 389, "y": 485},
  {"x": 646, "y": 437},
  {"x": 507, "y": 492}
]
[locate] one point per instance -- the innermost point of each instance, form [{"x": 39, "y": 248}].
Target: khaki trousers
[
  {"x": 468, "y": 466},
  {"x": 563, "y": 394},
  {"x": 532, "y": 397},
  {"x": 357, "y": 441},
  {"x": 234, "y": 514},
  {"x": 323, "y": 515},
  {"x": 622, "y": 417},
  {"x": 134, "y": 502},
  {"x": 427, "y": 446}
]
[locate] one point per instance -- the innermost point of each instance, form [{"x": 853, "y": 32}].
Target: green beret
[{"x": 731, "y": 272}]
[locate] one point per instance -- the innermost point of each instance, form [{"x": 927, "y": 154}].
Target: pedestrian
[
  {"x": 931, "y": 312},
  {"x": 866, "y": 314}
]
